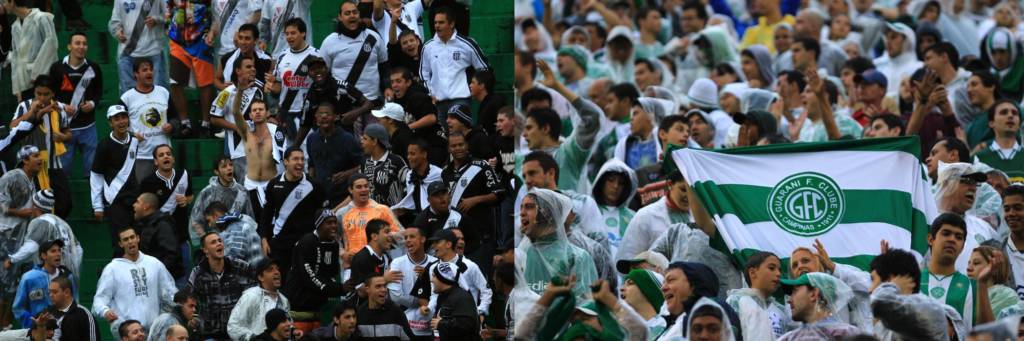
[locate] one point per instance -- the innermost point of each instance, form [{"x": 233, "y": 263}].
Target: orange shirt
[{"x": 353, "y": 223}]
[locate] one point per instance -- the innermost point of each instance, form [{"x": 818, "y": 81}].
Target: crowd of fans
[
  {"x": 611, "y": 243},
  {"x": 357, "y": 187}
]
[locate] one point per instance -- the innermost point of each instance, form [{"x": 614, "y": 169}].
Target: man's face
[
  {"x": 360, "y": 191},
  {"x": 749, "y": 67},
  {"x": 577, "y": 38},
  {"x": 947, "y": 243},
  {"x": 141, "y": 209},
  {"x": 188, "y": 310},
  {"x": 293, "y": 37},
  {"x": 535, "y": 176},
  {"x": 439, "y": 202},
  {"x": 939, "y": 153},
  {"x": 58, "y": 296},
  {"x": 840, "y": 25},
  {"x": 413, "y": 239},
  {"x": 144, "y": 75},
  {"x": 802, "y": 302},
  {"x": 458, "y": 148},
  {"x": 870, "y": 92},
  {"x": 282, "y": 329},
  {"x": 706, "y": 328},
  {"x": 567, "y": 66},
  {"x": 783, "y": 39},
  {"x": 615, "y": 107},
  {"x": 295, "y": 164},
  {"x": 319, "y": 73},
  {"x": 443, "y": 25},
  {"x": 246, "y": 70},
  {"x": 1006, "y": 119},
  {"x": 801, "y": 57},
  {"x": 699, "y": 129},
  {"x": 325, "y": 117},
  {"x": 33, "y": 163},
  {"x": 164, "y": 158},
  {"x": 129, "y": 241},
  {"x": 676, "y": 290},
  {"x": 879, "y": 129},
  {"x": 245, "y": 41},
  {"x": 651, "y": 22},
  {"x": 692, "y": 22},
  {"x": 368, "y": 143},
  {"x": 271, "y": 277},
  {"x": 614, "y": 184},
  {"x": 729, "y": 102},
  {"x": 803, "y": 261},
  {"x": 893, "y": 43},
  {"x": 52, "y": 256},
  {"x": 226, "y": 171},
  {"x": 399, "y": 84},
  {"x": 213, "y": 246},
  {"x": 376, "y": 291},
  {"x": 78, "y": 46},
  {"x": 630, "y": 293},
  {"x": 476, "y": 88},
  {"x": 119, "y": 124},
  {"x": 328, "y": 229},
  {"x": 977, "y": 93},
  {"x": 505, "y": 125},
  {"x": 642, "y": 122},
  {"x": 961, "y": 198},
  {"x": 460, "y": 244},
  {"x": 258, "y": 112},
  {"x": 934, "y": 61},
  {"x": 678, "y": 134},
  {"x": 349, "y": 15},
  {"x": 135, "y": 333},
  {"x": 417, "y": 157},
  {"x": 346, "y": 322},
  {"x": 410, "y": 44},
  {"x": 528, "y": 217},
  {"x": 1000, "y": 59},
  {"x": 644, "y": 76},
  {"x": 1013, "y": 211}
]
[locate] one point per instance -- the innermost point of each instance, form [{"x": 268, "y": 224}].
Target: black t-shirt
[
  {"x": 417, "y": 103},
  {"x": 487, "y": 115},
  {"x": 263, "y": 63},
  {"x": 331, "y": 154}
]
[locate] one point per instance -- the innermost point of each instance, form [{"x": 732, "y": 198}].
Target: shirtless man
[{"x": 261, "y": 148}]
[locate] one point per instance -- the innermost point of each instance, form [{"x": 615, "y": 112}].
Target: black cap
[
  {"x": 437, "y": 187},
  {"x": 265, "y": 264},
  {"x": 274, "y": 317},
  {"x": 47, "y": 245},
  {"x": 445, "y": 234},
  {"x": 978, "y": 177}
]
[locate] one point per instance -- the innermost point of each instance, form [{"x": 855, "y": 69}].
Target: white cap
[
  {"x": 116, "y": 109},
  {"x": 391, "y": 110}
]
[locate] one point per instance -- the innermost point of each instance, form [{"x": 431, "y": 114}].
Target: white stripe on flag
[{"x": 767, "y": 236}]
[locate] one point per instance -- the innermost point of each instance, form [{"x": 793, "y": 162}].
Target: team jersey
[
  {"x": 956, "y": 290},
  {"x": 444, "y": 64},
  {"x": 356, "y": 60},
  {"x": 222, "y": 108},
  {"x": 272, "y": 18},
  {"x": 148, "y": 113},
  {"x": 409, "y": 20},
  {"x": 293, "y": 73},
  {"x": 240, "y": 15}
]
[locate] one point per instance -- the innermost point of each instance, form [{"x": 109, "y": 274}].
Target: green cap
[
  {"x": 576, "y": 53},
  {"x": 789, "y": 284},
  {"x": 649, "y": 285}
]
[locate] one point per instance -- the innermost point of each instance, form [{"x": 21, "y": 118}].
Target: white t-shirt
[
  {"x": 412, "y": 11},
  {"x": 148, "y": 113},
  {"x": 243, "y": 11},
  {"x": 342, "y": 53},
  {"x": 293, "y": 72}
]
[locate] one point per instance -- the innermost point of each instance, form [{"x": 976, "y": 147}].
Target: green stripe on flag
[
  {"x": 907, "y": 144},
  {"x": 862, "y": 262}
]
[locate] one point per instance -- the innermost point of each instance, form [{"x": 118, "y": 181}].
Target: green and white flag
[{"x": 849, "y": 194}]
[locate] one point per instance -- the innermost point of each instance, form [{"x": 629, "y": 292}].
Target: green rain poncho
[{"x": 548, "y": 251}]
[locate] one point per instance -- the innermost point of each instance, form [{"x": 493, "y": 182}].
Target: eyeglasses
[{"x": 968, "y": 181}]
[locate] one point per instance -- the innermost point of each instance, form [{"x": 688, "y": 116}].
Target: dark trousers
[
  {"x": 61, "y": 192},
  {"x": 118, "y": 215},
  {"x": 71, "y": 8}
]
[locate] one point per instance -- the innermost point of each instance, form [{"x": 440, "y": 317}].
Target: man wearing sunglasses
[{"x": 955, "y": 192}]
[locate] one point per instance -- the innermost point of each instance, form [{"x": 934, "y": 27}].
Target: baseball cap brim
[
  {"x": 625, "y": 265},
  {"x": 976, "y": 176},
  {"x": 787, "y": 285}
]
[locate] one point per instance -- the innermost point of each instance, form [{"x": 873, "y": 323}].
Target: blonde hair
[{"x": 1000, "y": 273}]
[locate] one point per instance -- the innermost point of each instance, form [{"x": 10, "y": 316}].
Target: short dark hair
[
  {"x": 288, "y": 152},
  {"x": 794, "y": 76},
  {"x": 897, "y": 262},
  {"x": 546, "y": 161},
  {"x": 162, "y": 145},
  {"x": 646, "y": 62},
  {"x": 252, "y": 28},
  {"x": 953, "y": 143},
  {"x": 992, "y": 110},
  {"x": 726, "y": 69},
  {"x": 123, "y": 229},
  {"x": 454, "y": 134},
  {"x": 951, "y": 219},
  {"x": 43, "y": 81},
  {"x": 985, "y": 76},
  {"x": 891, "y": 121},
  {"x": 755, "y": 262},
  {"x": 642, "y": 13},
  {"x": 406, "y": 74},
  {"x": 626, "y": 91},
  {"x": 506, "y": 273},
  {"x": 810, "y": 45},
  {"x": 448, "y": 14},
  {"x": 297, "y": 23},
  {"x": 702, "y": 13},
  {"x": 526, "y": 59},
  {"x": 859, "y": 65},
  {"x": 947, "y": 49},
  {"x": 374, "y": 226},
  {"x": 671, "y": 120},
  {"x": 258, "y": 101},
  {"x": 220, "y": 159},
  {"x": 343, "y": 306},
  {"x": 202, "y": 240},
  {"x": 1012, "y": 190},
  {"x": 122, "y": 330},
  {"x": 184, "y": 295},
  {"x": 485, "y": 78},
  {"x": 63, "y": 282},
  {"x": 356, "y": 176},
  {"x": 534, "y": 95},
  {"x": 77, "y": 33},
  {"x": 137, "y": 64},
  {"x": 421, "y": 144},
  {"x": 215, "y": 206},
  {"x": 547, "y": 118}
]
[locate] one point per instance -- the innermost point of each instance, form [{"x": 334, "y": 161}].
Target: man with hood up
[
  {"x": 613, "y": 190},
  {"x": 549, "y": 257},
  {"x": 620, "y": 54},
  {"x": 1001, "y": 50},
  {"x": 710, "y": 47},
  {"x": 814, "y": 298},
  {"x": 756, "y": 63},
  {"x": 900, "y": 58}
]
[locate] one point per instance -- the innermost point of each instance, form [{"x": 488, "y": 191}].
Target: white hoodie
[
  {"x": 902, "y": 65},
  {"x": 134, "y": 290}
]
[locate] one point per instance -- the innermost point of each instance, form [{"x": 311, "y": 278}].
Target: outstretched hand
[
  {"x": 823, "y": 256},
  {"x": 549, "y": 76}
]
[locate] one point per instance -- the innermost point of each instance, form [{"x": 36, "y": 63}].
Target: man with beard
[
  {"x": 941, "y": 280},
  {"x": 814, "y": 298},
  {"x": 314, "y": 273},
  {"x": 112, "y": 179},
  {"x": 245, "y": 321},
  {"x": 475, "y": 188},
  {"x": 355, "y": 53},
  {"x": 292, "y": 203},
  {"x": 218, "y": 282}
]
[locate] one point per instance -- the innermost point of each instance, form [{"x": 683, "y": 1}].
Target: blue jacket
[{"x": 33, "y": 295}]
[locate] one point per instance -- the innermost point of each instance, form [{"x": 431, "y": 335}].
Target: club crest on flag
[{"x": 806, "y": 204}]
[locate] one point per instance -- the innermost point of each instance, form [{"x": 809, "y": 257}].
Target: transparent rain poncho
[
  {"x": 727, "y": 333},
  {"x": 687, "y": 243},
  {"x": 978, "y": 229},
  {"x": 547, "y": 252},
  {"x": 234, "y": 196},
  {"x": 757, "y": 99},
  {"x": 907, "y": 317}
]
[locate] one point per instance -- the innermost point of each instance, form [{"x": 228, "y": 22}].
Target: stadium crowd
[{"x": 358, "y": 195}]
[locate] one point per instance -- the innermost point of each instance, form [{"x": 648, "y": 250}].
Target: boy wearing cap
[
  {"x": 112, "y": 180},
  {"x": 392, "y": 118},
  {"x": 381, "y": 166},
  {"x": 439, "y": 215},
  {"x": 460, "y": 121},
  {"x": 47, "y": 228},
  {"x": 33, "y": 291},
  {"x": 814, "y": 299},
  {"x": 245, "y": 321},
  {"x": 642, "y": 291},
  {"x": 455, "y": 317}
]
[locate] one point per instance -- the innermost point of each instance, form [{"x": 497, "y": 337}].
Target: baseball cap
[
  {"x": 265, "y": 264},
  {"x": 789, "y": 284},
  {"x": 461, "y": 112},
  {"x": 445, "y": 234},
  {"x": 446, "y": 273},
  {"x": 653, "y": 258},
  {"x": 436, "y": 187},
  {"x": 391, "y": 110},
  {"x": 872, "y": 77},
  {"x": 703, "y": 115},
  {"x": 377, "y": 132},
  {"x": 115, "y": 110}
]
